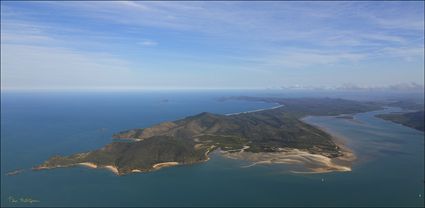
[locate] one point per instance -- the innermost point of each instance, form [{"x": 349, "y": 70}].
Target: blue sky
[{"x": 179, "y": 45}]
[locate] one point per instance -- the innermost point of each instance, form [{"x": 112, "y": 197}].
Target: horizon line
[{"x": 385, "y": 90}]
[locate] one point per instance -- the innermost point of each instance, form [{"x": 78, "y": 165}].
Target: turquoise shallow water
[{"x": 36, "y": 126}]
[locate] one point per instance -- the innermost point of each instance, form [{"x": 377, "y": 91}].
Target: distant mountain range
[{"x": 401, "y": 87}]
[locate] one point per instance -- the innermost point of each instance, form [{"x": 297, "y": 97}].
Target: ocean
[{"x": 34, "y": 126}]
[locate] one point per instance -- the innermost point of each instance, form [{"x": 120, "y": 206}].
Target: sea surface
[{"x": 34, "y": 126}]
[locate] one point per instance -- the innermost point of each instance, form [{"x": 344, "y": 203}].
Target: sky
[{"x": 210, "y": 45}]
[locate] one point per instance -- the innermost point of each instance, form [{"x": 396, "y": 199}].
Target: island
[
  {"x": 15, "y": 172},
  {"x": 276, "y": 135},
  {"x": 412, "y": 119}
]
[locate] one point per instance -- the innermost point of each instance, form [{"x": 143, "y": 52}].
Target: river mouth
[
  {"x": 352, "y": 147},
  {"x": 369, "y": 138}
]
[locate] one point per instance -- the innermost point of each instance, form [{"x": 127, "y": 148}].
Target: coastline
[
  {"x": 349, "y": 154},
  {"x": 87, "y": 164},
  {"x": 108, "y": 167},
  {"x": 313, "y": 163},
  {"x": 339, "y": 139},
  {"x": 83, "y": 164},
  {"x": 115, "y": 170},
  {"x": 164, "y": 164},
  {"x": 253, "y": 111}
]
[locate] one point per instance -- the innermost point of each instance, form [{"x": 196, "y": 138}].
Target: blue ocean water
[{"x": 35, "y": 126}]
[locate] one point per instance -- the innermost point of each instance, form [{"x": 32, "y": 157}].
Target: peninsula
[
  {"x": 276, "y": 135},
  {"x": 412, "y": 119}
]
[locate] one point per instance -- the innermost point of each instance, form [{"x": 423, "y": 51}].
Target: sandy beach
[
  {"x": 112, "y": 168},
  {"x": 207, "y": 152},
  {"x": 313, "y": 163},
  {"x": 87, "y": 164},
  {"x": 252, "y": 111},
  {"x": 164, "y": 164},
  {"x": 92, "y": 165}
]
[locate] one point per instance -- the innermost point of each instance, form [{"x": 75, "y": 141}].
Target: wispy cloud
[
  {"x": 148, "y": 43},
  {"x": 406, "y": 53},
  {"x": 253, "y": 40},
  {"x": 296, "y": 58},
  {"x": 26, "y": 66},
  {"x": 399, "y": 23}
]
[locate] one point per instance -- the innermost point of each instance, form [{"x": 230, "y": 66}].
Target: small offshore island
[{"x": 276, "y": 135}]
